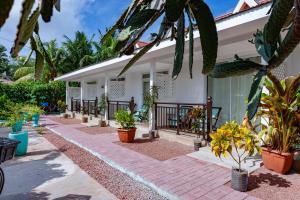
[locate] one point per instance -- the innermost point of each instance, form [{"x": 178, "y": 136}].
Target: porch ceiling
[{"x": 234, "y": 33}]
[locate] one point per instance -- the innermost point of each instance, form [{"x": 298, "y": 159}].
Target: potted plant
[
  {"x": 84, "y": 119},
  {"x": 197, "y": 115},
  {"x": 238, "y": 142},
  {"x": 127, "y": 131},
  {"x": 62, "y": 108},
  {"x": 279, "y": 133},
  {"x": 15, "y": 121},
  {"x": 102, "y": 107}
]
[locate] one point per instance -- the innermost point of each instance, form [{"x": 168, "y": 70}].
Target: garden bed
[
  {"x": 158, "y": 149},
  {"x": 95, "y": 130},
  {"x": 122, "y": 186},
  {"x": 265, "y": 184},
  {"x": 62, "y": 120}
]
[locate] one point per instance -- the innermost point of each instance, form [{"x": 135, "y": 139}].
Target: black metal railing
[
  {"x": 176, "y": 116},
  {"x": 88, "y": 107},
  {"x": 75, "y": 105},
  {"x": 114, "y": 106}
]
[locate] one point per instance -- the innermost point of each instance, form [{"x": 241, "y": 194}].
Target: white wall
[
  {"x": 134, "y": 88},
  {"x": 293, "y": 63}
]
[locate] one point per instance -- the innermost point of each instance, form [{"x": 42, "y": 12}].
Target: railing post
[
  {"x": 117, "y": 106},
  {"x": 71, "y": 104},
  {"x": 108, "y": 118},
  {"x": 178, "y": 118},
  {"x": 132, "y": 105},
  {"x": 88, "y": 105},
  {"x": 155, "y": 114},
  {"x": 96, "y": 107},
  {"x": 209, "y": 117},
  {"x": 83, "y": 109}
]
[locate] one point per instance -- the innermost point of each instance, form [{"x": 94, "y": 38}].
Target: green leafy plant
[
  {"x": 197, "y": 115},
  {"x": 61, "y": 106},
  {"x": 279, "y": 106},
  {"x": 233, "y": 137},
  {"x": 150, "y": 97},
  {"x": 102, "y": 104},
  {"x": 125, "y": 119},
  {"x": 274, "y": 50}
]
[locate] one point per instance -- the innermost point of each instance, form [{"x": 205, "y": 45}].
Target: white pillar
[
  {"x": 67, "y": 95},
  {"x": 106, "y": 95},
  {"x": 152, "y": 83},
  {"x": 82, "y": 91}
]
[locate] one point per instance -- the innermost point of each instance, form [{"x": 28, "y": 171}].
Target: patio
[{"x": 179, "y": 177}]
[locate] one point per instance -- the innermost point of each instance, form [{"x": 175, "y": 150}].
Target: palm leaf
[
  {"x": 138, "y": 56},
  {"x": 46, "y": 9},
  {"x": 23, "y": 71},
  {"x": 208, "y": 33},
  {"x": 255, "y": 93},
  {"x": 28, "y": 77},
  {"x": 191, "y": 42},
  {"x": 235, "y": 68},
  {"x": 174, "y": 9},
  {"x": 179, "y": 48},
  {"x": 5, "y": 6}
]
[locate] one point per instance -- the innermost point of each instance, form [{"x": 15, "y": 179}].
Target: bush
[
  {"x": 35, "y": 93},
  {"x": 125, "y": 119}
]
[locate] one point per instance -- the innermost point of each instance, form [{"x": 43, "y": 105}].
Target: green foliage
[
  {"x": 233, "y": 137},
  {"x": 102, "y": 104},
  {"x": 173, "y": 11},
  {"x": 279, "y": 106},
  {"x": 125, "y": 119},
  {"x": 61, "y": 106}
]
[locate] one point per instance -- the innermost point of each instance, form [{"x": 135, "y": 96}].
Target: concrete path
[
  {"x": 182, "y": 177},
  {"x": 45, "y": 173}
]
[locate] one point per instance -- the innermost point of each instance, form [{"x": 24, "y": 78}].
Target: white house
[{"x": 154, "y": 68}]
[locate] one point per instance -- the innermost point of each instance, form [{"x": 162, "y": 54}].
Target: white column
[
  {"x": 152, "y": 83},
  {"x": 106, "y": 95},
  {"x": 82, "y": 91},
  {"x": 67, "y": 95}
]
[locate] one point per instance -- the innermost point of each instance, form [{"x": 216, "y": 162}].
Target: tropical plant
[
  {"x": 141, "y": 14},
  {"x": 150, "y": 97},
  {"x": 102, "y": 104},
  {"x": 125, "y": 119},
  {"x": 61, "y": 106},
  {"x": 232, "y": 137},
  {"x": 274, "y": 50},
  {"x": 278, "y": 106},
  {"x": 75, "y": 50},
  {"x": 3, "y": 59}
]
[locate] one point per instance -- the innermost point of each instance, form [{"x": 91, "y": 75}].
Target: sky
[{"x": 84, "y": 15}]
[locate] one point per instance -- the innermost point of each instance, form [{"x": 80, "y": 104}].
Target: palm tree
[
  {"x": 75, "y": 50},
  {"x": 103, "y": 51},
  {"x": 3, "y": 59},
  {"x": 25, "y": 69}
]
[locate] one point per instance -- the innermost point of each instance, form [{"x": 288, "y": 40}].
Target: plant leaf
[
  {"x": 208, "y": 33},
  {"x": 5, "y": 6},
  {"x": 140, "y": 18},
  {"x": 235, "y": 68},
  {"x": 46, "y": 9},
  {"x": 57, "y": 5},
  {"x": 39, "y": 64},
  {"x": 137, "y": 56},
  {"x": 179, "y": 48},
  {"x": 174, "y": 9},
  {"x": 279, "y": 15},
  {"x": 255, "y": 93},
  {"x": 266, "y": 50},
  {"x": 191, "y": 42},
  {"x": 26, "y": 8}
]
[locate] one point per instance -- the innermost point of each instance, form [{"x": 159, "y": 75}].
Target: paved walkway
[
  {"x": 45, "y": 173},
  {"x": 182, "y": 177}
]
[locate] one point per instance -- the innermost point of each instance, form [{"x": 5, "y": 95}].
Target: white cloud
[{"x": 66, "y": 22}]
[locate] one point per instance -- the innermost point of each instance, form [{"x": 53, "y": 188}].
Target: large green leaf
[
  {"x": 266, "y": 50},
  {"x": 174, "y": 9},
  {"x": 39, "y": 65},
  {"x": 179, "y": 48},
  {"x": 255, "y": 93},
  {"x": 46, "y": 9},
  {"x": 5, "y": 6},
  {"x": 235, "y": 68},
  {"x": 208, "y": 33},
  {"x": 278, "y": 17},
  {"x": 140, "y": 18},
  {"x": 18, "y": 43},
  {"x": 138, "y": 56},
  {"x": 191, "y": 42}
]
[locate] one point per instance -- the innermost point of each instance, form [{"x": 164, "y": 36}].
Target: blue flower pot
[
  {"x": 35, "y": 120},
  {"x": 23, "y": 145}
]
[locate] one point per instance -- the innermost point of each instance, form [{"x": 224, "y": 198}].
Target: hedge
[{"x": 35, "y": 92}]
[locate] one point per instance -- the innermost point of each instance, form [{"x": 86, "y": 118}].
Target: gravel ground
[
  {"x": 265, "y": 184},
  {"x": 122, "y": 186},
  {"x": 97, "y": 130},
  {"x": 62, "y": 120},
  {"x": 159, "y": 149}
]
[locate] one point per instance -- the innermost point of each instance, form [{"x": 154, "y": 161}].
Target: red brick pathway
[{"x": 182, "y": 177}]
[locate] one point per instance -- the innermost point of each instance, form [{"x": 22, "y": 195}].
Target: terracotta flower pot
[
  {"x": 65, "y": 115},
  {"x": 296, "y": 165},
  {"x": 278, "y": 162},
  {"x": 84, "y": 120},
  {"x": 126, "y": 135}
]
